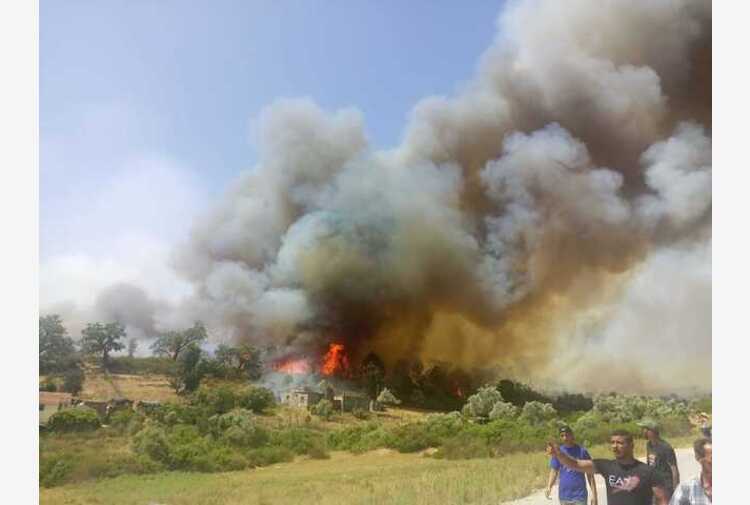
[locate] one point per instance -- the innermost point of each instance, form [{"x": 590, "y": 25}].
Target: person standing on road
[
  {"x": 660, "y": 455},
  {"x": 572, "y": 489},
  {"x": 628, "y": 481},
  {"x": 697, "y": 491}
]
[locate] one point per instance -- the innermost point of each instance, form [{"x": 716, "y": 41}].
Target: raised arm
[{"x": 579, "y": 465}]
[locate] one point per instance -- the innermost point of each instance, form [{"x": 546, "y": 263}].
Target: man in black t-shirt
[
  {"x": 628, "y": 481},
  {"x": 660, "y": 455}
]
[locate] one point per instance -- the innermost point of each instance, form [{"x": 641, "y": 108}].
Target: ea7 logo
[{"x": 619, "y": 484}]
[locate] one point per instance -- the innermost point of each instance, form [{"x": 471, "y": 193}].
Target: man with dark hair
[
  {"x": 572, "y": 489},
  {"x": 697, "y": 491},
  {"x": 660, "y": 455},
  {"x": 628, "y": 481}
]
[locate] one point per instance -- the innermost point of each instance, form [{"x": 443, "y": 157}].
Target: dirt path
[{"x": 685, "y": 462}]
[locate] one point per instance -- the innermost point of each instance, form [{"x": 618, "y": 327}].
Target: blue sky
[{"x": 147, "y": 107}]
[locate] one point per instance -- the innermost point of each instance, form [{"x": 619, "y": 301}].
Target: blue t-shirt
[{"x": 572, "y": 483}]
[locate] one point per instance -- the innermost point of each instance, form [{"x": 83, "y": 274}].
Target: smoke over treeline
[{"x": 537, "y": 221}]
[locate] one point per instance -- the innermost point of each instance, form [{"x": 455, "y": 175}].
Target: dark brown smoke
[{"x": 509, "y": 222}]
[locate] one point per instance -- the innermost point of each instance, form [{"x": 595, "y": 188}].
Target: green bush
[
  {"x": 322, "y": 409},
  {"x": 412, "y": 437},
  {"x": 359, "y": 438},
  {"x": 297, "y": 440},
  {"x": 74, "y": 419},
  {"x": 218, "y": 400},
  {"x": 480, "y": 404},
  {"x": 238, "y": 428},
  {"x": 318, "y": 450},
  {"x": 257, "y": 399},
  {"x": 503, "y": 410},
  {"x": 54, "y": 471},
  {"x": 152, "y": 441},
  {"x": 464, "y": 446},
  {"x": 537, "y": 413},
  {"x": 265, "y": 456}
]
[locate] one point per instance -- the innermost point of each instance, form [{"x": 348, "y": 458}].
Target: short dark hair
[
  {"x": 699, "y": 447},
  {"x": 623, "y": 433}
]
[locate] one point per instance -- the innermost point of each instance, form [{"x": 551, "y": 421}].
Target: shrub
[
  {"x": 481, "y": 403},
  {"x": 152, "y": 441},
  {"x": 297, "y": 440},
  {"x": 536, "y": 413},
  {"x": 464, "y": 446},
  {"x": 218, "y": 400},
  {"x": 74, "y": 419},
  {"x": 444, "y": 425},
  {"x": 503, "y": 410},
  {"x": 318, "y": 450},
  {"x": 54, "y": 471},
  {"x": 323, "y": 409},
  {"x": 264, "y": 456},
  {"x": 122, "y": 419},
  {"x": 257, "y": 399},
  {"x": 238, "y": 428},
  {"x": 412, "y": 438}
]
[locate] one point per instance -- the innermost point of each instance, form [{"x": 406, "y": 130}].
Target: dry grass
[{"x": 99, "y": 386}]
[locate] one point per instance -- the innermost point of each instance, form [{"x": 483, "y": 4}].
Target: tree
[
  {"x": 56, "y": 350},
  {"x": 481, "y": 403},
  {"x": 535, "y": 412},
  {"x": 518, "y": 393},
  {"x": 132, "y": 346},
  {"x": 173, "y": 343},
  {"x": 503, "y": 410},
  {"x": 102, "y": 339},
  {"x": 244, "y": 358},
  {"x": 372, "y": 375},
  {"x": 73, "y": 381},
  {"x": 189, "y": 370}
]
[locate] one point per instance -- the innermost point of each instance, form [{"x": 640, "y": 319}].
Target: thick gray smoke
[{"x": 520, "y": 223}]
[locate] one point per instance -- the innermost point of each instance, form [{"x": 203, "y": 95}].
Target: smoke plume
[{"x": 553, "y": 218}]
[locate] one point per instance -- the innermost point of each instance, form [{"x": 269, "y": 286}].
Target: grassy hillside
[{"x": 377, "y": 477}]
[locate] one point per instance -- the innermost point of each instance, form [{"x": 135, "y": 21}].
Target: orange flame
[
  {"x": 335, "y": 361},
  {"x": 293, "y": 366}
]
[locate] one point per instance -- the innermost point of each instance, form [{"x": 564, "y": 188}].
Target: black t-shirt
[
  {"x": 660, "y": 455},
  {"x": 628, "y": 484}
]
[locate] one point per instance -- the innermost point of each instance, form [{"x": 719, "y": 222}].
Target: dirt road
[{"x": 685, "y": 462}]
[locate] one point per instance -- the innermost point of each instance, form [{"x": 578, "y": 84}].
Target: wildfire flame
[
  {"x": 293, "y": 366},
  {"x": 335, "y": 361}
]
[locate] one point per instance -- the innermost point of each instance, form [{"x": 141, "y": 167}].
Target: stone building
[{"x": 301, "y": 397}]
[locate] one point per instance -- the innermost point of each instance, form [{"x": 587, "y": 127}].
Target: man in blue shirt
[{"x": 572, "y": 489}]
